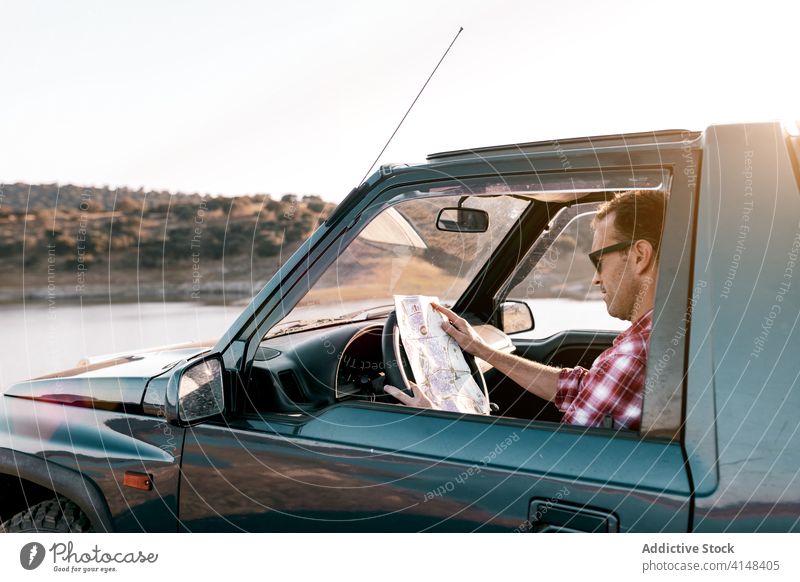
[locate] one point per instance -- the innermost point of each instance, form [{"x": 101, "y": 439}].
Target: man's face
[{"x": 617, "y": 281}]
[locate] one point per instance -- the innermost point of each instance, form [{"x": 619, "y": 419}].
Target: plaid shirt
[{"x": 614, "y": 385}]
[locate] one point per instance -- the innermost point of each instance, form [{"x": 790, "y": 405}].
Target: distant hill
[
  {"x": 19, "y": 196},
  {"x": 67, "y": 241}
]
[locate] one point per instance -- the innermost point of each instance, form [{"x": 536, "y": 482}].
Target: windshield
[{"x": 402, "y": 252}]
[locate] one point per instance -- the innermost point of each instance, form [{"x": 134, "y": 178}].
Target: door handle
[{"x": 547, "y": 516}]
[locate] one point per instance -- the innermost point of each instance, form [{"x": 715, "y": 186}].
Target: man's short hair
[{"x": 637, "y": 214}]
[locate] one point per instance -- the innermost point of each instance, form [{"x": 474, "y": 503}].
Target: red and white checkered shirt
[{"x": 613, "y": 386}]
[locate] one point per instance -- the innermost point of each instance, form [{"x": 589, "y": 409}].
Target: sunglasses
[{"x": 597, "y": 255}]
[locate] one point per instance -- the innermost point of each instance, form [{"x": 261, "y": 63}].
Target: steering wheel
[{"x": 395, "y": 362}]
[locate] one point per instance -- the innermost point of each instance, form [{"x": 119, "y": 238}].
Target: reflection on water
[{"x": 38, "y": 340}]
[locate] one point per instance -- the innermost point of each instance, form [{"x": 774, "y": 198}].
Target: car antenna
[{"x": 412, "y": 105}]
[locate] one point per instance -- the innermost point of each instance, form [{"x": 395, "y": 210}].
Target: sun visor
[{"x": 390, "y": 228}]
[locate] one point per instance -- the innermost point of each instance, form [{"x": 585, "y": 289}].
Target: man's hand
[
  {"x": 419, "y": 399},
  {"x": 464, "y": 334}
]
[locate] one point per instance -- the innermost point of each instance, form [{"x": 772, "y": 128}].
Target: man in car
[{"x": 625, "y": 248}]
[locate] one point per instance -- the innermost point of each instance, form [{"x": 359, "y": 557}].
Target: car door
[
  {"x": 378, "y": 467},
  {"x": 372, "y": 466}
]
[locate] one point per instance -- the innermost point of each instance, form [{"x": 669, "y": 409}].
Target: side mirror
[
  {"x": 515, "y": 317},
  {"x": 462, "y": 220},
  {"x": 195, "y": 391}
]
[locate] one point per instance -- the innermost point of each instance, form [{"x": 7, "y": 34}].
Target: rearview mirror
[
  {"x": 515, "y": 317},
  {"x": 462, "y": 220}
]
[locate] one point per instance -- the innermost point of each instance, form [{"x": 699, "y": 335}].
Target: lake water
[{"x": 36, "y": 339}]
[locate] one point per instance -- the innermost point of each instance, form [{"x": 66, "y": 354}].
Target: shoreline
[{"x": 231, "y": 293}]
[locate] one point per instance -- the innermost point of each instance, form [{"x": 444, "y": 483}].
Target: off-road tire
[{"x": 58, "y": 515}]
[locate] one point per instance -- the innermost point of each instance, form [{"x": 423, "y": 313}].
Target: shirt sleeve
[{"x": 569, "y": 384}]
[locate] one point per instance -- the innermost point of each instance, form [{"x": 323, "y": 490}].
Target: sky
[{"x": 299, "y": 97}]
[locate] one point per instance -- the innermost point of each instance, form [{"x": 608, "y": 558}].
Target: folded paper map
[{"x": 439, "y": 367}]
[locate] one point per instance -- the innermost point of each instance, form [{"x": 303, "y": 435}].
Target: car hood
[{"x": 115, "y": 382}]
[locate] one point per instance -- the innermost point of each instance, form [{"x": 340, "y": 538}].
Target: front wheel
[{"x": 57, "y": 515}]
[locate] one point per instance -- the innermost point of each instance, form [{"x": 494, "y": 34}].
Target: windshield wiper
[
  {"x": 300, "y": 324},
  {"x": 373, "y": 312},
  {"x": 303, "y": 324},
  {"x": 384, "y": 310}
]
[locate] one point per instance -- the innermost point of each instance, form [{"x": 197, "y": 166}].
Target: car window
[
  {"x": 555, "y": 278},
  {"x": 401, "y": 251}
]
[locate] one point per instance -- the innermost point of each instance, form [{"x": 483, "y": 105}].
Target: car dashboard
[{"x": 309, "y": 370}]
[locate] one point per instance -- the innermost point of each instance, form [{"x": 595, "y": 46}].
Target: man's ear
[{"x": 645, "y": 256}]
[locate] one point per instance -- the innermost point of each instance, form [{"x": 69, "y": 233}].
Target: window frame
[{"x": 678, "y": 157}]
